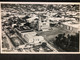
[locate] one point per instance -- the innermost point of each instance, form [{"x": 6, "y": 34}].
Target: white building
[
  {"x": 43, "y": 24},
  {"x": 31, "y": 38},
  {"x": 73, "y": 26}
]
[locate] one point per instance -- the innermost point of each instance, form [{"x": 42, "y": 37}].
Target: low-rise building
[
  {"x": 73, "y": 26},
  {"x": 31, "y": 38}
]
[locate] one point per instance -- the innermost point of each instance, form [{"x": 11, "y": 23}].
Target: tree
[
  {"x": 44, "y": 44},
  {"x": 12, "y": 32}
]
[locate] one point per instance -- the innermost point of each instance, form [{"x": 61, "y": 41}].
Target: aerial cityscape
[{"x": 40, "y": 27}]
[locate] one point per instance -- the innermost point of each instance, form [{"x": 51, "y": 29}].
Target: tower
[{"x": 43, "y": 23}]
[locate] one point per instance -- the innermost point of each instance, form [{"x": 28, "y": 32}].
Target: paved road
[
  {"x": 9, "y": 42},
  {"x": 51, "y": 47}
]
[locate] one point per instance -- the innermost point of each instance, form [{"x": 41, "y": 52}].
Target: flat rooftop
[{"x": 75, "y": 25}]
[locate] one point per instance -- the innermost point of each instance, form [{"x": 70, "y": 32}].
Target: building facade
[
  {"x": 70, "y": 26},
  {"x": 31, "y": 38},
  {"x": 43, "y": 24}
]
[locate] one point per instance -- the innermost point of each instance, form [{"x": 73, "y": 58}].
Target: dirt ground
[{"x": 49, "y": 35}]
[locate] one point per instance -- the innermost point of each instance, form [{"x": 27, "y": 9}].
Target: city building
[
  {"x": 43, "y": 24},
  {"x": 73, "y": 26},
  {"x": 32, "y": 38}
]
